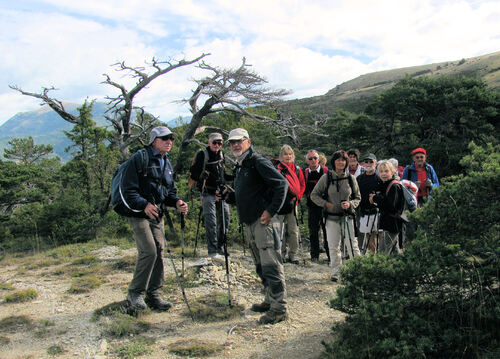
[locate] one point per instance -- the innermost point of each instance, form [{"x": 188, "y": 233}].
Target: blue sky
[{"x": 308, "y": 47}]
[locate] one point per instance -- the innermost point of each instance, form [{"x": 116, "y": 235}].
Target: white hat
[
  {"x": 159, "y": 132},
  {"x": 238, "y": 134}
]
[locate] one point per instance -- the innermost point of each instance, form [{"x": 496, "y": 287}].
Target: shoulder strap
[
  {"x": 390, "y": 185},
  {"x": 306, "y": 173},
  {"x": 145, "y": 161},
  {"x": 205, "y": 160}
]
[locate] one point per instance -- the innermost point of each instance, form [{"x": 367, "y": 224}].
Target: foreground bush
[{"x": 440, "y": 299}]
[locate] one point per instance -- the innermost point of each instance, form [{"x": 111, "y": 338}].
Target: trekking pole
[
  {"x": 179, "y": 281},
  {"x": 183, "y": 226},
  {"x": 197, "y": 230},
  {"x": 226, "y": 254},
  {"x": 243, "y": 242},
  {"x": 346, "y": 223},
  {"x": 300, "y": 236}
]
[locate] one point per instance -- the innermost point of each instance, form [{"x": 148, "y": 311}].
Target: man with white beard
[{"x": 260, "y": 191}]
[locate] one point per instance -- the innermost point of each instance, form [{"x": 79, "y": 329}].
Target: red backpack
[{"x": 292, "y": 178}]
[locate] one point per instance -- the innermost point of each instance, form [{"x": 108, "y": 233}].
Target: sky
[{"x": 307, "y": 47}]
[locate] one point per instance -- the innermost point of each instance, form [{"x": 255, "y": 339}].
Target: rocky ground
[{"x": 59, "y": 318}]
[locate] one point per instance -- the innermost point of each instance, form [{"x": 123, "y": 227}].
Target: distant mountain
[
  {"x": 46, "y": 127},
  {"x": 355, "y": 94}
]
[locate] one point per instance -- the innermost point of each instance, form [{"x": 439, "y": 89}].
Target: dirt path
[{"x": 63, "y": 319}]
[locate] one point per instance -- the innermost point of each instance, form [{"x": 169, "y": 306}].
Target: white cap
[
  {"x": 159, "y": 131},
  {"x": 238, "y": 134}
]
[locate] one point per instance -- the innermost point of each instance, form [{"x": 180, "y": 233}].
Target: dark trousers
[{"x": 315, "y": 222}]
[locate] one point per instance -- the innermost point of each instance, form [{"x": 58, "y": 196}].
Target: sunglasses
[
  {"x": 232, "y": 142},
  {"x": 312, "y": 158},
  {"x": 419, "y": 157},
  {"x": 219, "y": 143},
  {"x": 368, "y": 161},
  {"x": 167, "y": 137}
]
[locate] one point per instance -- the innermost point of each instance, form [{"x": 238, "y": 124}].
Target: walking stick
[
  {"x": 300, "y": 236},
  {"x": 226, "y": 254},
  {"x": 179, "y": 281},
  {"x": 346, "y": 224},
  {"x": 197, "y": 230},
  {"x": 183, "y": 226}
]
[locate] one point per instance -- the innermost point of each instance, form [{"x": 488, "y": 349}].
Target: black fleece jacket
[
  {"x": 258, "y": 186},
  {"x": 388, "y": 204}
]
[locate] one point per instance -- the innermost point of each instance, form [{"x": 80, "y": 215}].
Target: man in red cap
[{"x": 422, "y": 174}]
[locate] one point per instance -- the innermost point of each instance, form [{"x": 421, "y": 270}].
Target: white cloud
[{"x": 308, "y": 47}]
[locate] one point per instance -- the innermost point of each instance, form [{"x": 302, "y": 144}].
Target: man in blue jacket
[
  {"x": 147, "y": 193},
  {"x": 260, "y": 191},
  {"x": 422, "y": 174}
]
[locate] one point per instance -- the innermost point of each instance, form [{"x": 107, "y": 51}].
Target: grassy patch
[
  {"x": 126, "y": 264},
  {"x": 6, "y": 286},
  {"x": 195, "y": 348},
  {"x": 43, "y": 263},
  {"x": 115, "y": 308},
  {"x": 4, "y": 340},
  {"x": 85, "y": 260},
  {"x": 191, "y": 280},
  {"x": 214, "y": 307},
  {"x": 123, "y": 325},
  {"x": 136, "y": 348},
  {"x": 14, "y": 322},
  {"x": 22, "y": 295},
  {"x": 84, "y": 284},
  {"x": 55, "y": 350}
]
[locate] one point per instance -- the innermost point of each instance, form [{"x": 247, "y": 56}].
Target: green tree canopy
[{"x": 26, "y": 152}]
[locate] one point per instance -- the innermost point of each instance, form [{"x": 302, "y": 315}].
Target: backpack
[
  {"x": 324, "y": 170},
  {"x": 191, "y": 181},
  {"x": 291, "y": 197},
  {"x": 409, "y": 195},
  {"x": 118, "y": 202}
]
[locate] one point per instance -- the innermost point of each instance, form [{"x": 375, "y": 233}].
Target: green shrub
[
  {"x": 441, "y": 298},
  {"x": 214, "y": 307},
  {"x": 136, "y": 348},
  {"x": 85, "y": 260},
  {"x": 14, "y": 322},
  {"x": 23, "y": 295},
  {"x": 195, "y": 348},
  {"x": 6, "y": 286},
  {"x": 84, "y": 284},
  {"x": 55, "y": 350},
  {"x": 123, "y": 325}
]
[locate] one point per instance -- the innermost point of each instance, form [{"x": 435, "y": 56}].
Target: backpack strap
[
  {"x": 145, "y": 161},
  {"x": 390, "y": 185}
]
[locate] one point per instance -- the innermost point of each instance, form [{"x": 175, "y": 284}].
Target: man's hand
[
  {"x": 418, "y": 184},
  {"x": 329, "y": 207},
  {"x": 265, "y": 218},
  {"x": 182, "y": 206},
  {"x": 345, "y": 204},
  {"x": 428, "y": 182},
  {"x": 151, "y": 211}
]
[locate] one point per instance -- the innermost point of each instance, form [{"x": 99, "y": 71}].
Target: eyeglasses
[
  {"x": 217, "y": 143},
  {"x": 233, "y": 142},
  {"x": 312, "y": 158},
  {"x": 167, "y": 137},
  {"x": 419, "y": 157},
  {"x": 368, "y": 161}
]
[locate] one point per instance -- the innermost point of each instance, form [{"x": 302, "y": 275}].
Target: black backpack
[{"x": 118, "y": 201}]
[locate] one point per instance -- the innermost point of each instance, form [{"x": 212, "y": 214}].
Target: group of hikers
[{"x": 356, "y": 202}]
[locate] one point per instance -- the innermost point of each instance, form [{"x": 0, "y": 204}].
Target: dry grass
[
  {"x": 195, "y": 348},
  {"x": 214, "y": 307},
  {"x": 20, "y": 296},
  {"x": 84, "y": 284},
  {"x": 15, "y": 323}
]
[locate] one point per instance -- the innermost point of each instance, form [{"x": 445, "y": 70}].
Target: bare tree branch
[
  {"x": 225, "y": 90},
  {"x": 54, "y": 104}
]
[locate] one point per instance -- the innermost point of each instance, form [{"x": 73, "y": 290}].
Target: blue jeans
[{"x": 210, "y": 215}]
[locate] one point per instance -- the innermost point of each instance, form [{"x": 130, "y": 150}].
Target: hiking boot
[
  {"x": 135, "y": 301},
  {"x": 156, "y": 303},
  {"x": 315, "y": 260},
  {"x": 216, "y": 257},
  {"x": 260, "y": 308},
  {"x": 334, "y": 278},
  {"x": 294, "y": 260},
  {"x": 272, "y": 318}
]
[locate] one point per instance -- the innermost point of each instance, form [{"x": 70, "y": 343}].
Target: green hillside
[{"x": 355, "y": 94}]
